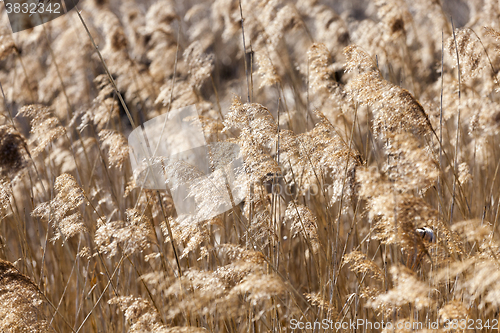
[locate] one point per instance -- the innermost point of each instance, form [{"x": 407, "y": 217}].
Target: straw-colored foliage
[{"x": 368, "y": 187}]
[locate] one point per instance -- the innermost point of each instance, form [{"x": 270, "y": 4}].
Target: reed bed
[{"x": 369, "y": 132}]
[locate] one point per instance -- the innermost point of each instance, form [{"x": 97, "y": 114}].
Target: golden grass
[{"x": 370, "y": 140}]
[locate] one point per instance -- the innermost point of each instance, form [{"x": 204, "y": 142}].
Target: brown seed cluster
[{"x": 366, "y": 185}]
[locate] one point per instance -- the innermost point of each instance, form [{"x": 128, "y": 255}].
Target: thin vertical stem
[{"x": 245, "y": 53}]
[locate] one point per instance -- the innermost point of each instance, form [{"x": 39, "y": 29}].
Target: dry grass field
[{"x": 369, "y": 132}]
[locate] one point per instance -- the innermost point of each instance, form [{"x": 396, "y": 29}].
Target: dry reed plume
[{"x": 368, "y": 133}]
